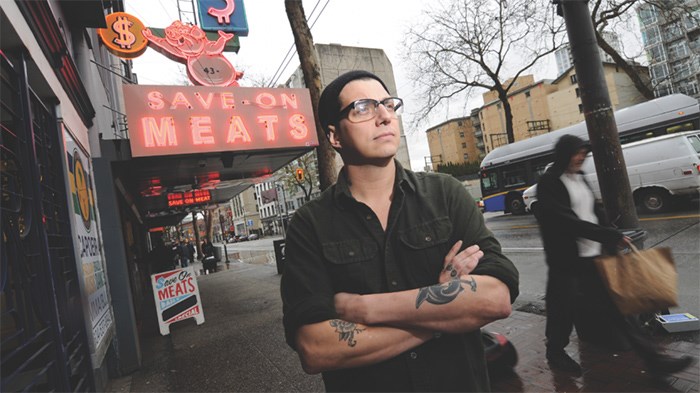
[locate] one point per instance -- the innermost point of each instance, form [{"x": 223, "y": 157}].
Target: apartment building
[
  {"x": 452, "y": 141},
  {"x": 671, "y": 40},
  {"x": 547, "y": 105}
]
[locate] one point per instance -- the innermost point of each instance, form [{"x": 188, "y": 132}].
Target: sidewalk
[{"x": 241, "y": 348}]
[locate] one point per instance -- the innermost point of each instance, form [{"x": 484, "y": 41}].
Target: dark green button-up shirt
[{"x": 337, "y": 244}]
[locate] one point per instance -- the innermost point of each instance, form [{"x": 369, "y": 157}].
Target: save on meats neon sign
[{"x": 167, "y": 120}]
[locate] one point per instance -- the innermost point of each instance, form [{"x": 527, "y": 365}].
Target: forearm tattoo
[
  {"x": 346, "y": 331},
  {"x": 443, "y": 293}
]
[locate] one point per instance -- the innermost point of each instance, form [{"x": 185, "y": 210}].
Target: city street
[
  {"x": 679, "y": 229},
  {"x": 520, "y": 238}
]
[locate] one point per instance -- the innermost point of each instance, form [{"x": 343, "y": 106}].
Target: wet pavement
[{"x": 241, "y": 348}]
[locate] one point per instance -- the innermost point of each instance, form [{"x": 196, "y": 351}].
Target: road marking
[
  {"x": 641, "y": 219},
  {"x": 669, "y": 218}
]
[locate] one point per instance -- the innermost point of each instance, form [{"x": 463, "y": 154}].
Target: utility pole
[
  {"x": 600, "y": 119},
  {"x": 308, "y": 60}
]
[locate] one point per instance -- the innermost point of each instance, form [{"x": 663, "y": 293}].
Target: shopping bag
[{"x": 640, "y": 281}]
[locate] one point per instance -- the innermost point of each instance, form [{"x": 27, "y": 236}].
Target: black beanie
[{"x": 329, "y": 104}]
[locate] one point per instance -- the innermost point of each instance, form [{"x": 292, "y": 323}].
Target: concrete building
[
  {"x": 671, "y": 40},
  {"x": 335, "y": 60},
  {"x": 452, "y": 141}
]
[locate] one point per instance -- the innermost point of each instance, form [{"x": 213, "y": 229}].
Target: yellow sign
[{"x": 124, "y": 35}]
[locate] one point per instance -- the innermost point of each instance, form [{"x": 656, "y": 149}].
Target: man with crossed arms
[{"x": 389, "y": 274}]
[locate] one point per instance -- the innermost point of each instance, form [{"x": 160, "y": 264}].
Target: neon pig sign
[{"x": 167, "y": 120}]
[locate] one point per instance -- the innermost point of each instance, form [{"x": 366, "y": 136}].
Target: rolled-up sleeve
[
  {"x": 307, "y": 295},
  {"x": 472, "y": 230}
]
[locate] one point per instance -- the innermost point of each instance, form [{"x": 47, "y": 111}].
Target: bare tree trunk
[
  {"x": 631, "y": 72},
  {"x": 312, "y": 77},
  {"x": 507, "y": 114}
]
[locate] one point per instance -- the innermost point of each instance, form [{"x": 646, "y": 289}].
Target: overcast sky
[{"x": 365, "y": 23}]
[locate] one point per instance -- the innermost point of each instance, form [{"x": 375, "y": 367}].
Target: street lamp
[{"x": 223, "y": 234}]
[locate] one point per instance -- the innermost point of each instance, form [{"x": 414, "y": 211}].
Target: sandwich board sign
[{"x": 177, "y": 297}]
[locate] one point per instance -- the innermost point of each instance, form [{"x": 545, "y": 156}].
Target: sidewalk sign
[{"x": 177, "y": 297}]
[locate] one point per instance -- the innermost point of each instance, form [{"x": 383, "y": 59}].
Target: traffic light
[{"x": 299, "y": 173}]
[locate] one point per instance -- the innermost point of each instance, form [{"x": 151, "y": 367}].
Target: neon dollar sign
[{"x": 121, "y": 27}]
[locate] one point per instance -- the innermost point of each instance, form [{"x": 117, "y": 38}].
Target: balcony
[{"x": 538, "y": 126}]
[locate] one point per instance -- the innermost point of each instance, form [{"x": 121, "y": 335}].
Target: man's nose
[{"x": 383, "y": 114}]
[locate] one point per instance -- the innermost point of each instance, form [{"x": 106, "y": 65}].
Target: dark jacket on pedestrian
[{"x": 559, "y": 224}]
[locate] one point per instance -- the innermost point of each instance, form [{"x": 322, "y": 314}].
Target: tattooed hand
[{"x": 458, "y": 263}]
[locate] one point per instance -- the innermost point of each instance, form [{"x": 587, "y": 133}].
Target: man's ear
[{"x": 333, "y": 137}]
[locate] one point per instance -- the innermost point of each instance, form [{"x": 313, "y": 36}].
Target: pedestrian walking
[
  {"x": 389, "y": 274},
  {"x": 190, "y": 251},
  {"x": 574, "y": 232},
  {"x": 183, "y": 253}
]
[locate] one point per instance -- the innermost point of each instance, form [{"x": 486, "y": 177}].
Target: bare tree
[
  {"x": 468, "y": 44},
  {"x": 617, "y": 15},
  {"x": 312, "y": 77}
]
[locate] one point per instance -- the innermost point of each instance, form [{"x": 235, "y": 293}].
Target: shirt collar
[{"x": 342, "y": 194}]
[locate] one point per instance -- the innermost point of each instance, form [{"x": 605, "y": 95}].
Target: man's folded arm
[
  {"x": 458, "y": 306},
  {"x": 336, "y": 344}
]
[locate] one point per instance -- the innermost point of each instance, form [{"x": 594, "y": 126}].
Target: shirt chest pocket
[
  {"x": 424, "y": 247},
  {"x": 351, "y": 263}
]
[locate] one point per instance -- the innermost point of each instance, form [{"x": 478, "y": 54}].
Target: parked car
[
  {"x": 530, "y": 198},
  {"x": 253, "y": 236}
]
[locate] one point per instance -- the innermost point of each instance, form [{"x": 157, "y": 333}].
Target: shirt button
[
  {"x": 351, "y": 253},
  {"x": 413, "y": 355},
  {"x": 428, "y": 238},
  {"x": 369, "y": 217},
  {"x": 394, "y": 283}
]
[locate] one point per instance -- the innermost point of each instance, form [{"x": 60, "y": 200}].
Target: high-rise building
[
  {"x": 565, "y": 59},
  {"x": 671, "y": 38},
  {"x": 335, "y": 60}
]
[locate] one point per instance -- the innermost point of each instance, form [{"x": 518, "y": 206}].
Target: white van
[{"x": 657, "y": 168}]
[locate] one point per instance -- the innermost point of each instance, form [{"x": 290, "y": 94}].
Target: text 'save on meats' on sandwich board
[{"x": 177, "y": 297}]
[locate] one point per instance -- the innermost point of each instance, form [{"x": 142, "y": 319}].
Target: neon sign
[
  {"x": 166, "y": 120},
  {"x": 206, "y": 64},
  {"x": 227, "y": 15},
  {"x": 123, "y": 36},
  {"x": 188, "y": 198}
]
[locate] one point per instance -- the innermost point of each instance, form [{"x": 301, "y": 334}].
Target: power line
[{"x": 292, "y": 49}]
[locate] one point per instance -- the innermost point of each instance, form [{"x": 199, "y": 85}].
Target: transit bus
[{"x": 508, "y": 170}]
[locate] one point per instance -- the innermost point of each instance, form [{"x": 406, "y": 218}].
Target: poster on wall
[{"x": 88, "y": 248}]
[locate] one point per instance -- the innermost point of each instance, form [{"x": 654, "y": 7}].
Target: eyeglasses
[{"x": 366, "y": 109}]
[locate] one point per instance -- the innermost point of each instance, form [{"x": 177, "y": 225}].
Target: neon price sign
[{"x": 188, "y": 198}]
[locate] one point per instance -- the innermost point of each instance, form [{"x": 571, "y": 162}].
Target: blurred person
[
  {"x": 574, "y": 231},
  {"x": 389, "y": 275}
]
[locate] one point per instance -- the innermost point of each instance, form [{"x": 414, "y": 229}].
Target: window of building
[
  {"x": 466, "y": 157},
  {"x": 527, "y": 94},
  {"x": 580, "y": 108},
  {"x": 673, "y": 31},
  {"x": 461, "y": 134},
  {"x": 678, "y": 50},
  {"x": 659, "y": 72},
  {"x": 578, "y": 92},
  {"x": 689, "y": 88},
  {"x": 657, "y": 54},
  {"x": 651, "y": 36},
  {"x": 459, "y": 123},
  {"x": 464, "y": 145},
  {"x": 647, "y": 14},
  {"x": 681, "y": 69},
  {"x": 573, "y": 79},
  {"x": 498, "y": 105}
]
